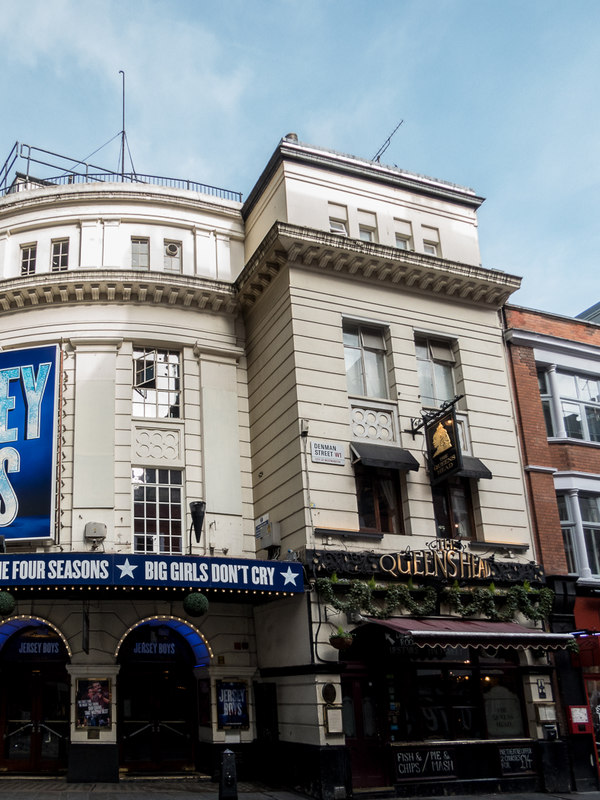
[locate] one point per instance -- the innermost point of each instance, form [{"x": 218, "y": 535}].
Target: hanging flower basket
[
  {"x": 341, "y": 641},
  {"x": 7, "y": 603},
  {"x": 195, "y": 604}
]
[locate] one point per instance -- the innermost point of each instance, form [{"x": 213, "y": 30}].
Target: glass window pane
[
  {"x": 542, "y": 381},
  {"x": 375, "y": 374},
  {"x": 548, "y": 417},
  {"x": 354, "y": 371},
  {"x": 567, "y": 384},
  {"x": 444, "y": 384},
  {"x": 572, "y": 420},
  {"x": 592, "y": 415},
  {"x": 373, "y": 339},
  {"x": 588, "y": 389},
  {"x": 351, "y": 337},
  {"x": 563, "y": 507},
  {"x": 592, "y": 547},
  {"x": 460, "y": 513},
  {"x": 569, "y": 550},
  {"x": 590, "y": 507}
]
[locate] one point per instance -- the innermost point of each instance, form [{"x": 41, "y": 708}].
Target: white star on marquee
[
  {"x": 127, "y": 569},
  {"x": 289, "y": 576}
]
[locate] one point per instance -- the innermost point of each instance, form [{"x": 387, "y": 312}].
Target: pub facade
[{"x": 262, "y": 488}]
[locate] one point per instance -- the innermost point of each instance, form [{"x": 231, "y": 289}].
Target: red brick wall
[{"x": 537, "y": 451}]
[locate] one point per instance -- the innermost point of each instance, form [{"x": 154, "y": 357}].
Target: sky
[{"x": 501, "y": 96}]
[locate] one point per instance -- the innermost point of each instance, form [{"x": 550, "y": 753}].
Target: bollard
[{"x": 228, "y": 782}]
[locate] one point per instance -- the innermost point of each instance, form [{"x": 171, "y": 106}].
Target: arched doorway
[
  {"x": 157, "y": 695},
  {"x": 34, "y": 707}
]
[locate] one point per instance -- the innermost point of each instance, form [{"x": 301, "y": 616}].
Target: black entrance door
[
  {"x": 157, "y": 717},
  {"x": 34, "y": 720}
]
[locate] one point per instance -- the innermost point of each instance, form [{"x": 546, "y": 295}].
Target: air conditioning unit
[
  {"x": 172, "y": 249},
  {"x": 95, "y": 531}
]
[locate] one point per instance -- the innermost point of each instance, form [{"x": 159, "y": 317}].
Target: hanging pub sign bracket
[{"x": 427, "y": 417}]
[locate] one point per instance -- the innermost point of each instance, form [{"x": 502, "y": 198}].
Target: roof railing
[{"x": 22, "y": 156}]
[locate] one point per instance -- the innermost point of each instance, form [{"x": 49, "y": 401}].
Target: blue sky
[{"x": 497, "y": 95}]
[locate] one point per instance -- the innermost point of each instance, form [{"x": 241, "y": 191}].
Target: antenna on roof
[
  {"x": 386, "y": 144},
  {"x": 124, "y": 136},
  {"x": 121, "y": 72}
]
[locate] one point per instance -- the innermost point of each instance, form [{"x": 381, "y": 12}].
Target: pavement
[{"x": 16, "y": 788}]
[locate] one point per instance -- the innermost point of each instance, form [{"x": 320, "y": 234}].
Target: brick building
[{"x": 555, "y": 366}]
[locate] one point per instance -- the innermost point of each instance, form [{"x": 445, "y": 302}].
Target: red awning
[{"x": 472, "y": 633}]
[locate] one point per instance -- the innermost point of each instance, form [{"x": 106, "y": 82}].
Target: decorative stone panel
[
  {"x": 371, "y": 422},
  {"x": 157, "y": 445}
]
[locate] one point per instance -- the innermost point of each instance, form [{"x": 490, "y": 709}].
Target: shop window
[
  {"x": 364, "y": 354},
  {"x": 157, "y": 511},
  {"x": 455, "y": 694},
  {"x": 378, "y": 498},
  {"x": 435, "y": 367},
  {"x": 453, "y": 509},
  {"x": 156, "y": 382},
  {"x": 172, "y": 256},
  {"x": 140, "y": 253},
  {"x": 28, "y": 259},
  {"x": 60, "y": 255}
]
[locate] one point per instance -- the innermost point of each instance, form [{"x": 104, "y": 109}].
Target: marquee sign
[
  {"x": 28, "y": 398},
  {"x": 121, "y": 570}
]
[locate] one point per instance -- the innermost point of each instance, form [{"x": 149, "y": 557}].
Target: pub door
[
  {"x": 362, "y": 713},
  {"x": 34, "y": 719},
  {"x": 157, "y": 717}
]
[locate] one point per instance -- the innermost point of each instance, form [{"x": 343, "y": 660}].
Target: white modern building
[{"x": 270, "y": 364}]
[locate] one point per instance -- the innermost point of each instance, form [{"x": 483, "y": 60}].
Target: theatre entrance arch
[{"x": 157, "y": 695}]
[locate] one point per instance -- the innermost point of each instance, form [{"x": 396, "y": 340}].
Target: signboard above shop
[
  {"x": 28, "y": 403},
  {"x": 120, "y": 570}
]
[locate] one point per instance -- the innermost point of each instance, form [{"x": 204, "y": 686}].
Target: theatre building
[
  {"x": 555, "y": 365},
  {"x": 261, "y": 487}
]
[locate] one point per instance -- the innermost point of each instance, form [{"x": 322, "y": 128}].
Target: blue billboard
[
  {"x": 129, "y": 570},
  {"x": 28, "y": 400}
]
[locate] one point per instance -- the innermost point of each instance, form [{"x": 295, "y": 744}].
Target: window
[
  {"x": 452, "y": 508},
  {"x": 431, "y": 241},
  {"x": 140, "y": 253},
  {"x": 28, "y": 256},
  {"x": 403, "y": 234},
  {"x": 451, "y": 693},
  {"x": 364, "y": 353},
  {"x": 589, "y": 511},
  {"x": 435, "y": 364},
  {"x": 367, "y": 226},
  {"x": 155, "y": 383},
  {"x": 172, "y": 256},
  {"x": 60, "y": 255},
  {"x": 338, "y": 219},
  {"x": 157, "y": 510},
  {"x": 378, "y": 496},
  {"x": 577, "y": 403}
]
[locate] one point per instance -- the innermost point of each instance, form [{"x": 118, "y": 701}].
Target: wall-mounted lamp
[{"x": 197, "y": 510}]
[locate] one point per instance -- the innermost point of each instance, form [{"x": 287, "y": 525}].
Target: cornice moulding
[
  {"x": 116, "y": 286},
  {"x": 378, "y": 264}
]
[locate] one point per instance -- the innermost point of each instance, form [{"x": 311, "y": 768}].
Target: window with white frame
[
  {"x": 156, "y": 383},
  {"x": 431, "y": 240},
  {"x": 60, "y": 255},
  {"x": 140, "y": 252},
  {"x": 435, "y": 367},
  {"x": 586, "y": 513},
  {"x": 172, "y": 261},
  {"x": 157, "y": 510},
  {"x": 338, "y": 219},
  {"x": 403, "y": 234},
  {"x": 364, "y": 354},
  {"x": 367, "y": 226},
  {"x": 28, "y": 258},
  {"x": 578, "y": 404}
]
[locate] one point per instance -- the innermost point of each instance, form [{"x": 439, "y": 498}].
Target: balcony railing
[{"x": 15, "y": 175}]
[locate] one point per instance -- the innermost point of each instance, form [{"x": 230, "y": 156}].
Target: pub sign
[{"x": 444, "y": 456}]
